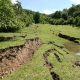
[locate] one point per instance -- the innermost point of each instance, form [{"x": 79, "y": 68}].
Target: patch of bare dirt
[{"x": 13, "y": 57}]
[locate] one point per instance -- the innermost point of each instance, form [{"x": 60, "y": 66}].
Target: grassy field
[{"x": 64, "y": 49}]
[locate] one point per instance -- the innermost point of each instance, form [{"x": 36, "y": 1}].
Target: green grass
[
  {"x": 18, "y": 40},
  {"x": 65, "y": 69},
  {"x": 36, "y": 70},
  {"x": 68, "y": 30},
  {"x": 11, "y": 43}
]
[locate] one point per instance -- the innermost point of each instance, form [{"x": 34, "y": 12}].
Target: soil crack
[
  {"x": 73, "y": 39},
  {"x": 50, "y": 65}
]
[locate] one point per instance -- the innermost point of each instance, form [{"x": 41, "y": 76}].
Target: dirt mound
[{"x": 11, "y": 58}]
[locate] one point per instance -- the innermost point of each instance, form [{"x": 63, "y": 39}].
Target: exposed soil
[
  {"x": 49, "y": 65},
  {"x": 13, "y": 57}
]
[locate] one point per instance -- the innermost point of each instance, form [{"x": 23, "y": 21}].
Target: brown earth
[{"x": 13, "y": 57}]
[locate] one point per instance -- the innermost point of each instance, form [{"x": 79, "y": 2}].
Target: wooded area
[{"x": 13, "y": 16}]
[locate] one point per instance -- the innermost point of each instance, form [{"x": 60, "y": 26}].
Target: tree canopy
[
  {"x": 70, "y": 16},
  {"x": 13, "y": 16}
]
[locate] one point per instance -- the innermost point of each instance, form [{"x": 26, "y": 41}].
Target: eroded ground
[{"x": 56, "y": 59}]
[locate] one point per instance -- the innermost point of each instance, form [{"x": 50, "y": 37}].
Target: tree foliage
[
  {"x": 70, "y": 16},
  {"x": 37, "y": 17},
  {"x": 13, "y": 16},
  {"x": 8, "y": 21}
]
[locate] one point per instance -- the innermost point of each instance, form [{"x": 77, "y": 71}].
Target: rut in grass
[
  {"x": 49, "y": 65},
  {"x": 73, "y": 39}
]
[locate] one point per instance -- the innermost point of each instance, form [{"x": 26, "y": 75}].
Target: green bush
[{"x": 8, "y": 21}]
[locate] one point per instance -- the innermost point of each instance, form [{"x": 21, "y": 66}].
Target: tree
[
  {"x": 70, "y": 20},
  {"x": 71, "y": 10},
  {"x": 37, "y": 17},
  {"x": 18, "y": 7},
  {"x": 64, "y": 16},
  {"x": 56, "y": 15},
  {"x": 8, "y": 21},
  {"x": 77, "y": 21},
  {"x": 76, "y": 13}
]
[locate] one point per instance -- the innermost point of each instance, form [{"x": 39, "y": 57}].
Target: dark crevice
[
  {"x": 73, "y": 39},
  {"x": 57, "y": 57},
  {"x": 52, "y": 42},
  {"x": 58, "y": 52},
  {"x": 66, "y": 51},
  {"x": 50, "y": 65},
  {"x": 77, "y": 63},
  {"x": 55, "y": 76},
  {"x": 60, "y": 46}
]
